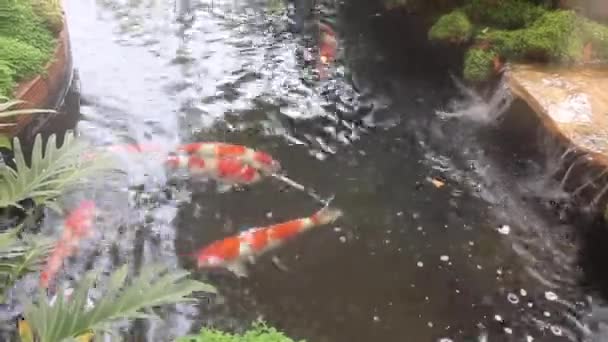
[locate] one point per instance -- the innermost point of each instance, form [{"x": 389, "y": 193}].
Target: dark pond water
[{"x": 480, "y": 256}]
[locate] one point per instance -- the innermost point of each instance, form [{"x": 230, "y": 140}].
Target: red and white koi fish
[
  {"x": 259, "y": 160},
  {"x": 77, "y": 226},
  {"x": 233, "y": 252},
  {"x": 328, "y": 46},
  {"x": 226, "y": 170}
]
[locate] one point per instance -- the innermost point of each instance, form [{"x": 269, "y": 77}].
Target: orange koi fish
[
  {"x": 77, "y": 226},
  {"x": 226, "y": 170},
  {"x": 261, "y": 161},
  {"x": 232, "y": 252},
  {"x": 328, "y": 45}
]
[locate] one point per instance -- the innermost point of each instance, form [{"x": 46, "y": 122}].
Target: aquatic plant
[
  {"x": 122, "y": 299},
  {"x": 50, "y": 174},
  {"x": 19, "y": 256},
  {"x": 259, "y": 332},
  {"x": 453, "y": 27}
]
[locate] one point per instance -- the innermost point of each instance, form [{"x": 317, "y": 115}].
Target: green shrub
[
  {"x": 23, "y": 59},
  {"x": 452, "y": 27},
  {"x": 478, "y": 65},
  {"x": 259, "y": 332},
  {"x": 24, "y": 25},
  {"x": 50, "y": 12},
  {"x": 503, "y": 14},
  {"x": 597, "y": 34},
  {"x": 6, "y": 80}
]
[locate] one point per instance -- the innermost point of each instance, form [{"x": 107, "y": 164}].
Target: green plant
[
  {"x": 19, "y": 256},
  {"x": 24, "y": 25},
  {"x": 504, "y": 14},
  {"x": 7, "y": 82},
  {"x": 6, "y": 104},
  {"x": 154, "y": 286},
  {"x": 259, "y": 332},
  {"x": 51, "y": 173},
  {"x": 50, "y": 12},
  {"x": 453, "y": 27},
  {"x": 478, "y": 65}
]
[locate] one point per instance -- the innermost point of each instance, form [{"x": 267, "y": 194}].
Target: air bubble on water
[
  {"x": 498, "y": 318},
  {"x": 530, "y": 304},
  {"x": 337, "y": 229},
  {"x": 387, "y": 241},
  {"x": 429, "y": 324},
  {"x": 471, "y": 243},
  {"x": 557, "y": 331},
  {"x": 420, "y": 264},
  {"x": 479, "y": 267},
  {"x": 547, "y": 314},
  {"x": 376, "y": 319},
  {"x": 512, "y": 298},
  {"x": 444, "y": 258},
  {"x": 508, "y": 330},
  {"x": 523, "y": 292},
  {"x": 400, "y": 213},
  {"x": 504, "y": 229},
  {"x": 416, "y": 216},
  {"x": 529, "y": 338},
  {"x": 445, "y": 339},
  {"x": 342, "y": 239},
  {"x": 551, "y": 296},
  {"x": 419, "y": 228}
]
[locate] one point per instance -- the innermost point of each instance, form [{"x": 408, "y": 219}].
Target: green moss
[
  {"x": 50, "y": 12},
  {"x": 556, "y": 36},
  {"x": 6, "y": 79},
  {"x": 478, "y": 65},
  {"x": 452, "y": 27},
  {"x": 259, "y": 332},
  {"x": 24, "y": 25},
  {"x": 597, "y": 34},
  {"x": 503, "y": 14},
  {"x": 23, "y": 59}
]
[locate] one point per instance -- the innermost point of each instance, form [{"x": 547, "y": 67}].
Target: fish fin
[
  {"x": 239, "y": 269},
  {"x": 327, "y": 215}
]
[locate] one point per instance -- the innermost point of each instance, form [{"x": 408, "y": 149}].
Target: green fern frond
[
  {"x": 19, "y": 256},
  {"x": 50, "y": 174},
  {"x": 154, "y": 286}
]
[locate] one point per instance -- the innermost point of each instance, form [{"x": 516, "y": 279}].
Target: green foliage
[
  {"x": 597, "y": 34},
  {"x": 154, "y": 286},
  {"x": 50, "y": 12},
  {"x": 504, "y": 14},
  {"x": 24, "y": 25},
  {"x": 51, "y": 173},
  {"x": 24, "y": 59},
  {"x": 478, "y": 65},
  {"x": 452, "y": 27},
  {"x": 259, "y": 332},
  {"x": 19, "y": 256},
  {"x": 556, "y": 36},
  {"x": 7, "y": 82}
]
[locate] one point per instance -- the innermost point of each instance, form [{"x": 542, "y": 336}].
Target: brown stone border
[
  {"x": 46, "y": 90},
  {"x": 583, "y": 172}
]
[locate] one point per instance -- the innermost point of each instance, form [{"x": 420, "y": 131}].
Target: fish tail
[{"x": 326, "y": 215}]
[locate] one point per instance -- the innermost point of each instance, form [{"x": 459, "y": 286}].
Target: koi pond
[{"x": 450, "y": 229}]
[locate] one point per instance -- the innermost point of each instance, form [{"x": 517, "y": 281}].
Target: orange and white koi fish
[
  {"x": 226, "y": 170},
  {"x": 233, "y": 252},
  {"x": 77, "y": 226},
  {"x": 328, "y": 45},
  {"x": 259, "y": 160}
]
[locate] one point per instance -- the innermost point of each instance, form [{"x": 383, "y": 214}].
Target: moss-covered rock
[
  {"x": 24, "y": 25},
  {"x": 25, "y": 60},
  {"x": 453, "y": 27},
  {"x": 556, "y": 36},
  {"x": 478, "y": 65},
  {"x": 6, "y": 79},
  {"x": 504, "y": 14},
  {"x": 597, "y": 35}
]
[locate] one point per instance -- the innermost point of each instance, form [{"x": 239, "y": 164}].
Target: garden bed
[{"x": 46, "y": 89}]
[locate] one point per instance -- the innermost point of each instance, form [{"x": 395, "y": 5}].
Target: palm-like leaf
[
  {"x": 154, "y": 286},
  {"x": 49, "y": 174},
  {"x": 6, "y": 105},
  {"x": 20, "y": 256}
]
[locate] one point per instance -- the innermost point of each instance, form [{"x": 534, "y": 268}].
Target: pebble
[
  {"x": 550, "y": 296},
  {"x": 504, "y": 229}
]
